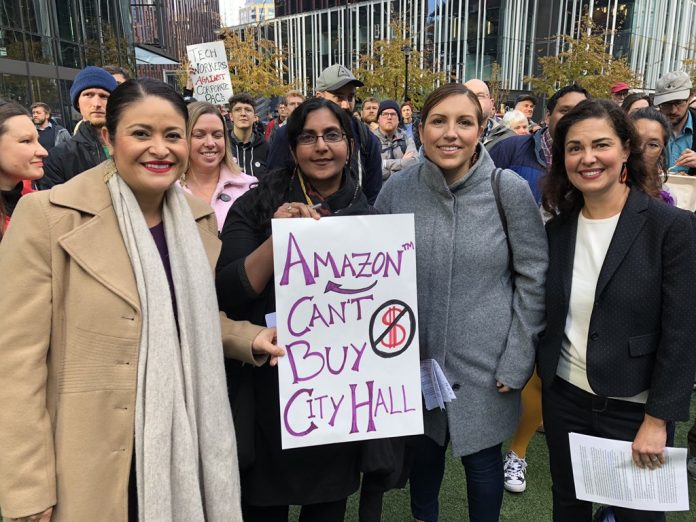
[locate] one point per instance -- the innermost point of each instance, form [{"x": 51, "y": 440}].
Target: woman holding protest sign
[
  {"x": 212, "y": 173},
  {"x": 481, "y": 261},
  {"x": 113, "y": 399},
  {"x": 321, "y": 183}
]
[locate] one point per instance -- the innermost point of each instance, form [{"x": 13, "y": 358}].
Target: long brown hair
[{"x": 560, "y": 197}]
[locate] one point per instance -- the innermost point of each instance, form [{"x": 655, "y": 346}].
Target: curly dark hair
[
  {"x": 560, "y": 198},
  {"x": 271, "y": 191}
]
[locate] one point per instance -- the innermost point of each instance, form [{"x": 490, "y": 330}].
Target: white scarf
[{"x": 185, "y": 448}]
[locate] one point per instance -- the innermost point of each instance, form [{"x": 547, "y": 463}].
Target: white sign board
[
  {"x": 211, "y": 81},
  {"x": 346, "y": 313}
]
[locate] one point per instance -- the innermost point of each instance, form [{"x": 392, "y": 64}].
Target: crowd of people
[{"x": 554, "y": 260}]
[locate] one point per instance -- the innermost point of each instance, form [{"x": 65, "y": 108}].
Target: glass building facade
[
  {"x": 464, "y": 38},
  {"x": 45, "y": 43}
]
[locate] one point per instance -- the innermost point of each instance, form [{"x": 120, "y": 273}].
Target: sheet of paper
[
  {"x": 604, "y": 472},
  {"x": 436, "y": 390}
]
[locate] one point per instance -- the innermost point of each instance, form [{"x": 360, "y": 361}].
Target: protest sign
[
  {"x": 211, "y": 81},
  {"x": 346, "y": 311}
]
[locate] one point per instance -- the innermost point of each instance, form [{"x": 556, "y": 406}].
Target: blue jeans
[{"x": 484, "y": 481}]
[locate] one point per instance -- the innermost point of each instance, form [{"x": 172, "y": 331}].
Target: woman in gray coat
[{"x": 481, "y": 258}]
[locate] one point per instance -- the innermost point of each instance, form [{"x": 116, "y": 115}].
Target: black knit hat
[{"x": 389, "y": 104}]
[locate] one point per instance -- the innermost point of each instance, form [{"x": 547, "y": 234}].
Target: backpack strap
[{"x": 495, "y": 185}]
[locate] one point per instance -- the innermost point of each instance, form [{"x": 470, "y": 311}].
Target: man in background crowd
[
  {"x": 398, "y": 150},
  {"x": 370, "y": 106},
  {"x": 50, "y": 134},
  {"x": 248, "y": 146},
  {"x": 89, "y": 93},
  {"x": 672, "y": 95}
]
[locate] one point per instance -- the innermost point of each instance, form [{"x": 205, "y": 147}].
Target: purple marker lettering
[
  {"x": 320, "y": 400},
  {"x": 328, "y": 260},
  {"x": 328, "y": 360},
  {"x": 308, "y": 353},
  {"x": 356, "y": 405},
  {"x": 378, "y": 263},
  {"x": 359, "y": 352},
  {"x": 392, "y": 411},
  {"x": 289, "y": 263},
  {"x": 357, "y": 302},
  {"x": 363, "y": 264},
  {"x": 311, "y": 410},
  {"x": 347, "y": 265},
  {"x": 291, "y": 431},
  {"x": 403, "y": 394},
  {"x": 381, "y": 402},
  {"x": 395, "y": 265},
  {"x": 336, "y": 406},
  {"x": 291, "y": 314}
]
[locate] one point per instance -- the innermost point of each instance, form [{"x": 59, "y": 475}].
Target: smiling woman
[
  {"x": 212, "y": 175},
  {"x": 616, "y": 359},
  {"x": 104, "y": 361},
  {"x": 481, "y": 260},
  {"x": 21, "y": 158}
]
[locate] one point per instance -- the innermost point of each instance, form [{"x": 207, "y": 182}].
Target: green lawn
[{"x": 531, "y": 506}]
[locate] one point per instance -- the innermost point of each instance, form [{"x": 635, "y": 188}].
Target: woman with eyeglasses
[
  {"x": 653, "y": 132},
  {"x": 320, "y": 183}
]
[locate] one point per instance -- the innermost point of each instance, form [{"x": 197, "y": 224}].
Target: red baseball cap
[{"x": 618, "y": 87}]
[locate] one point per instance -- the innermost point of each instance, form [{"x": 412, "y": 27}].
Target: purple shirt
[{"x": 161, "y": 242}]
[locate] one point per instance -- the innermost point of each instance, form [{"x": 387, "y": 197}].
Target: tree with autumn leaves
[
  {"x": 256, "y": 65},
  {"x": 585, "y": 60},
  {"x": 384, "y": 70}
]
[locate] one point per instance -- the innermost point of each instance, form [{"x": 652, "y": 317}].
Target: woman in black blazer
[{"x": 617, "y": 358}]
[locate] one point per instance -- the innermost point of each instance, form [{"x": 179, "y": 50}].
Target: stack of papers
[{"x": 436, "y": 390}]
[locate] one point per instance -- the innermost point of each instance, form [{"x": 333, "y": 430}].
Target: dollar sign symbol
[{"x": 395, "y": 337}]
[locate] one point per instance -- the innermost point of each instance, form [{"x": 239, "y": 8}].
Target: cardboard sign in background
[
  {"x": 211, "y": 82},
  {"x": 346, "y": 310}
]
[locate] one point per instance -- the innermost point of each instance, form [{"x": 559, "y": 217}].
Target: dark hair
[
  {"x": 10, "y": 110},
  {"x": 243, "y": 98},
  {"x": 445, "y": 91},
  {"x": 573, "y": 87},
  {"x": 42, "y": 105},
  {"x": 560, "y": 197},
  {"x": 132, "y": 91},
  {"x": 272, "y": 189},
  {"x": 652, "y": 114},
  {"x": 115, "y": 69},
  {"x": 407, "y": 103},
  {"x": 633, "y": 98},
  {"x": 2, "y": 218},
  {"x": 370, "y": 99}
]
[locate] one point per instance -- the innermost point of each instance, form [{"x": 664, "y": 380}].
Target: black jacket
[
  {"x": 81, "y": 153},
  {"x": 251, "y": 156},
  {"x": 642, "y": 326}
]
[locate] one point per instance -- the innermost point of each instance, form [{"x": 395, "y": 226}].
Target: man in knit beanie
[
  {"x": 397, "y": 148},
  {"x": 89, "y": 93}
]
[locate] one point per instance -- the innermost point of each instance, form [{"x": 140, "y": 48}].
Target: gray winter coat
[{"x": 473, "y": 320}]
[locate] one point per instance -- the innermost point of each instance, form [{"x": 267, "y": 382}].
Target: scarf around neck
[{"x": 185, "y": 447}]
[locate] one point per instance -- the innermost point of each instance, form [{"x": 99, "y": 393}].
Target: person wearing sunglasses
[{"x": 319, "y": 183}]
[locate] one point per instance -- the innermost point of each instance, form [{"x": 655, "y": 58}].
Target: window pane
[
  {"x": 68, "y": 24},
  {"x": 40, "y": 49},
  {"x": 11, "y": 45},
  {"x": 37, "y": 18},
  {"x": 9, "y": 14},
  {"x": 15, "y": 88},
  {"x": 70, "y": 55}
]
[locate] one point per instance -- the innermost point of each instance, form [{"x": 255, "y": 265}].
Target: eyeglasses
[
  {"x": 670, "y": 104},
  {"x": 389, "y": 114},
  {"x": 652, "y": 146},
  {"x": 329, "y": 137}
]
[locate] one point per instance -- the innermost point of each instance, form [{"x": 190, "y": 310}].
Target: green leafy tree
[
  {"x": 585, "y": 60},
  {"x": 384, "y": 71},
  {"x": 256, "y": 64}
]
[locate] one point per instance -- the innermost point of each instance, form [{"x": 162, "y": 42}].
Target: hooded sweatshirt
[{"x": 251, "y": 156}]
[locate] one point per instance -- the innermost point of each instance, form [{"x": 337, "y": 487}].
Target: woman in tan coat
[{"x": 113, "y": 401}]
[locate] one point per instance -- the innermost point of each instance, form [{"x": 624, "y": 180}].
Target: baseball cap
[
  {"x": 673, "y": 86},
  {"x": 618, "y": 87},
  {"x": 336, "y": 76},
  {"x": 525, "y": 97}
]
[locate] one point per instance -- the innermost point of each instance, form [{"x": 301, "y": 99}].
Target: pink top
[{"x": 229, "y": 188}]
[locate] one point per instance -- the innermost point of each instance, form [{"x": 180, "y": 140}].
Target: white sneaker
[
  {"x": 514, "y": 468},
  {"x": 691, "y": 467}
]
